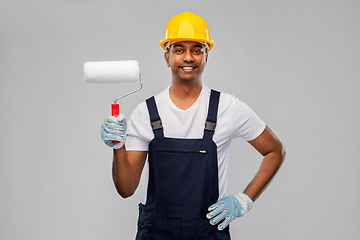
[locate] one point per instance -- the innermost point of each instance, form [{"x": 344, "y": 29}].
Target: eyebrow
[{"x": 181, "y": 45}]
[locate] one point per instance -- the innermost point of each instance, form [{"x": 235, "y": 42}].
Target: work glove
[
  {"x": 114, "y": 129},
  {"x": 228, "y": 209}
]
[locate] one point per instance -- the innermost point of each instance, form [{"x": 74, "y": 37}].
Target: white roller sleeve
[{"x": 111, "y": 71}]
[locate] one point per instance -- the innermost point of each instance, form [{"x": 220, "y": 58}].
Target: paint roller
[{"x": 113, "y": 72}]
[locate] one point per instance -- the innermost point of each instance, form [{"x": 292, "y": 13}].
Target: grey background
[{"x": 296, "y": 63}]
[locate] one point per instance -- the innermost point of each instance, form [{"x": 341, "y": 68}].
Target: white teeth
[{"x": 188, "y": 68}]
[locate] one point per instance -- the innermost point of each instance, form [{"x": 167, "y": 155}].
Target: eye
[
  {"x": 178, "y": 50},
  {"x": 198, "y": 51}
]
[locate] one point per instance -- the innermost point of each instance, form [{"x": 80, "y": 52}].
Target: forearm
[
  {"x": 267, "y": 170},
  {"x": 231, "y": 207},
  {"x": 123, "y": 174}
]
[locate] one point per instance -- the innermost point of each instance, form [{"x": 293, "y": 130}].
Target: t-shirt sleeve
[
  {"x": 139, "y": 132},
  {"x": 246, "y": 124},
  {"x": 136, "y": 144}
]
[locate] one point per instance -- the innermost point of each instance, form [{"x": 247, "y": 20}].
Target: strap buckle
[
  {"x": 210, "y": 126},
  {"x": 156, "y": 125}
]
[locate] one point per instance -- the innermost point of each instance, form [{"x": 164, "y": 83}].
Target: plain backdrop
[{"x": 296, "y": 63}]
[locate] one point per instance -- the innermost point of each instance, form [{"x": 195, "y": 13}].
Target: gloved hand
[
  {"x": 114, "y": 129},
  {"x": 228, "y": 209}
]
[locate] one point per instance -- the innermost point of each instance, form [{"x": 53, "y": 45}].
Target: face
[{"x": 187, "y": 60}]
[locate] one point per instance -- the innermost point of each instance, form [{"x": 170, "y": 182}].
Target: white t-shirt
[{"x": 235, "y": 120}]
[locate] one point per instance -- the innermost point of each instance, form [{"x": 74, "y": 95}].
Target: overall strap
[
  {"x": 210, "y": 123},
  {"x": 155, "y": 120}
]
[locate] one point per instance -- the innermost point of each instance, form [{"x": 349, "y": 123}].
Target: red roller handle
[{"x": 115, "y": 111}]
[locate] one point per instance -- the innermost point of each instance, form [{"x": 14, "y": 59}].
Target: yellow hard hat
[{"x": 187, "y": 26}]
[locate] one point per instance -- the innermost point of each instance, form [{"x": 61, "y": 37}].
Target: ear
[
  {"x": 206, "y": 56},
  {"x": 166, "y": 57}
]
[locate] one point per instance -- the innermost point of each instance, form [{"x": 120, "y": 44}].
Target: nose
[{"x": 187, "y": 56}]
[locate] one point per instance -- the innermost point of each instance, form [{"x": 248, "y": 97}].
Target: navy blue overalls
[{"x": 183, "y": 183}]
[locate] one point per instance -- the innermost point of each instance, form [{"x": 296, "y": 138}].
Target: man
[{"x": 186, "y": 132}]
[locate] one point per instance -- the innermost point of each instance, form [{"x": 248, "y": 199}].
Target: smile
[{"x": 187, "y": 68}]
